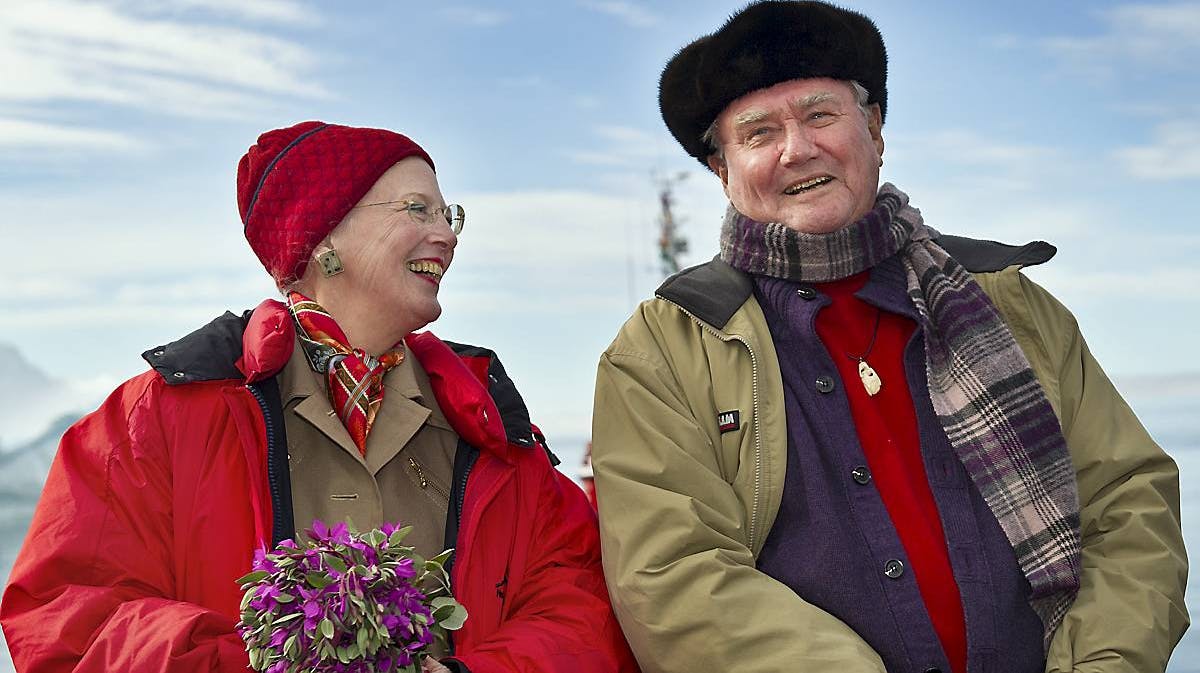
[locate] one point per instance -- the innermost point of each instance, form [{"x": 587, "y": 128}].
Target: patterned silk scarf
[
  {"x": 354, "y": 378},
  {"x": 983, "y": 389}
]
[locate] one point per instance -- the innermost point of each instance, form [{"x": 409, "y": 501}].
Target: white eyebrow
[
  {"x": 814, "y": 99},
  {"x": 754, "y": 116},
  {"x": 750, "y": 117}
]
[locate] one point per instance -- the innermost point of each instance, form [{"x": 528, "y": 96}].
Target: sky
[{"x": 122, "y": 121}]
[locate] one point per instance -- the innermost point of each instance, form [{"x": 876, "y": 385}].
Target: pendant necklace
[{"x": 870, "y": 379}]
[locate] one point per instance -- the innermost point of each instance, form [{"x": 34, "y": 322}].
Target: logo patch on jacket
[{"x": 728, "y": 421}]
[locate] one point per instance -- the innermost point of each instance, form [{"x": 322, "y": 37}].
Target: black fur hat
[{"x": 766, "y": 43}]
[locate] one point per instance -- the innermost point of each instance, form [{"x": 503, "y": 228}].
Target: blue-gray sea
[{"x": 1168, "y": 406}]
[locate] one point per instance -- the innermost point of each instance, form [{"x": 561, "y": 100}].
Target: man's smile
[{"x": 808, "y": 184}]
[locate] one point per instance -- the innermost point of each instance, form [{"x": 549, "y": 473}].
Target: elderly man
[{"x": 851, "y": 443}]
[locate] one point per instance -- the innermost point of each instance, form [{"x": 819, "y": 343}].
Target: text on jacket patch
[{"x": 728, "y": 421}]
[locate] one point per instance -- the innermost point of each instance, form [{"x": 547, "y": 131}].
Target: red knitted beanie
[{"x": 296, "y": 184}]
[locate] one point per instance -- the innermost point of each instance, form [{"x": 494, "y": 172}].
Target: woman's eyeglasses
[{"x": 453, "y": 214}]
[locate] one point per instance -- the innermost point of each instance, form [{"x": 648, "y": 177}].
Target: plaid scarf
[
  {"x": 985, "y": 394},
  {"x": 354, "y": 379}
]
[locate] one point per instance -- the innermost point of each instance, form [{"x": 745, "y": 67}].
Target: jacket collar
[
  {"x": 476, "y": 395},
  {"x": 714, "y": 291}
]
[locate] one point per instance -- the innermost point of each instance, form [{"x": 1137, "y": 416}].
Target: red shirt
[{"x": 886, "y": 424}]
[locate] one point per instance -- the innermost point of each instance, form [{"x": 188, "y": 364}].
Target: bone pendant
[{"x": 869, "y": 378}]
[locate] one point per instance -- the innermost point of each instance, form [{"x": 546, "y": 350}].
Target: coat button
[
  {"x": 933, "y": 669},
  {"x": 178, "y": 375},
  {"x": 894, "y": 568},
  {"x": 861, "y": 475},
  {"x": 807, "y": 293},
  {"x": 158, "y": 353},
  {"x": 825, "y": 384}
]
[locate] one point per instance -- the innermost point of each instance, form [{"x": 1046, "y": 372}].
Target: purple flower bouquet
[{"x": 346, "y": 602}]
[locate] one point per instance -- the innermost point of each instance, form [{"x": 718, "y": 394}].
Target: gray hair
[{"x": 710, "y": 134}]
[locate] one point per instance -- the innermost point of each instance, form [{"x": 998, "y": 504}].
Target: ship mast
[{"x": 670, "y": 243}]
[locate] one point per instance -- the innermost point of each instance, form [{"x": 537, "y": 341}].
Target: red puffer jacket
[{"x": 157, "y": 501}]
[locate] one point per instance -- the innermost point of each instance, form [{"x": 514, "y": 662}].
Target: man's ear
[
  {"x": 875, "y": 127},
  {"x": 718, "y": 166}
]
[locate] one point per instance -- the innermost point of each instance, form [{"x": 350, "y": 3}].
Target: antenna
[{"x": 670, "y": 243}]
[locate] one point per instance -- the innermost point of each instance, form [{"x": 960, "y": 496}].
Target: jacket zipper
[
  {"x": 753, "y": 532},
  {"x": 462, "y": 487},
  {"x": 425, "y": 483},
  {"x": 272, "y": 469}
]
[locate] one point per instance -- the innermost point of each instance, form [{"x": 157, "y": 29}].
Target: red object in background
[{"x": 585, "y": 476}]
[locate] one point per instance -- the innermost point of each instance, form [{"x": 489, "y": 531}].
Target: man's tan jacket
[{"x": 685, "y": 509}]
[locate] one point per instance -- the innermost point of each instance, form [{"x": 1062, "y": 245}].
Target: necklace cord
[{"x": 871, "y": 346}]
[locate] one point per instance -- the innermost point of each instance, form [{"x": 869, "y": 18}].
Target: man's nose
[{"x": 798, "y": 147}]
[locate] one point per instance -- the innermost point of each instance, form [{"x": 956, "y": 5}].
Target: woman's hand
[{"x": 431, "y": 665}]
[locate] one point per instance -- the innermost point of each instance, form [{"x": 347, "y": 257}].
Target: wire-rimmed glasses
[{"x": 420, "y": 212}]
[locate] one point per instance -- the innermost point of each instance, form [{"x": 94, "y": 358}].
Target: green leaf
[
  {"x": 449, "y": 613},
  {"x": 291, "y": 646},
  {"x": 318, "y": 580},
  {"x": 399, "y": 535},
  {"x": 284, "y": 598},
  {"x": 440, "y": 559},
  {"x": 251, "y": 578},
  {"x": 374, "y": 538},
  {"x": 335, "y": 563},
  {"x": 326, "y": 628},
  {"x": 362, "y": 639}
]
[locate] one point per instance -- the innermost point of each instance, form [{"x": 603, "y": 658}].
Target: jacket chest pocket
[{"x": 424, "y": 479}]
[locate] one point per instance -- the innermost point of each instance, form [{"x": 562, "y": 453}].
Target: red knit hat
[{"x": 296, "y": 184}]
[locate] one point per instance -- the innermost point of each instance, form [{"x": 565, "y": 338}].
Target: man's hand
[{"x": 431, "y": 665}]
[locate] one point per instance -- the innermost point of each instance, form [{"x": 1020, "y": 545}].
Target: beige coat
[
  {"x": 405, "y": 476},
  {"x": 685, "y": 509}
]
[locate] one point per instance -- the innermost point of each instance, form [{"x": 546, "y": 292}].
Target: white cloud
[
  {"x": 1164, "y": 283},
  {"x": 568, "y": 227},
  {"x": 24, "y": 134},
  {"x": 282, "y": 11},
  {"x": 631, "y": 14},
  {"x": 586, "y": 101},
  {"x": 1185, "y": 384},
  {"x": 622, "y": 146},
  {"x": 522, "y": 82},
  {"x": 1164, "y": 35},
  {"x": 1172, "y": 154},
  {"x": 475, "y": 16},
  {"x": 125, "y": 54},
  {"x": 981, "y": 165},
  {"x": 1178, "y": 22},
  {"x": 964, "y": 146}
]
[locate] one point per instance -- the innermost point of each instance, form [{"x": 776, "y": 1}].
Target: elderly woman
[{"x": 327, "y": 407}]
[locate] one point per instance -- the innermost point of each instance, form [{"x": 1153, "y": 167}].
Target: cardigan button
[
  {"x": 893, "y": 568},
  {"x": 825, "y": 384},
  {"x": 861, "y": 475},
  {"x": 807, "y": 293}
]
